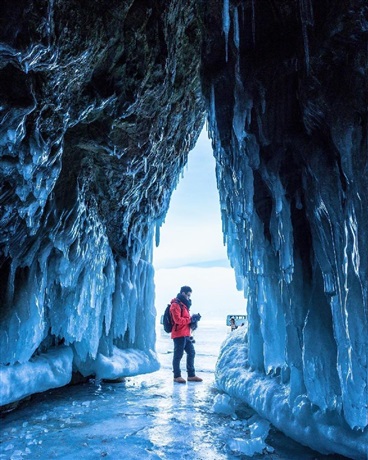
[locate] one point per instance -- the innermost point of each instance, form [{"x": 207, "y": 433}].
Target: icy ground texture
[
  {"x": 148, "y": 417},
  {"x": 290, "y": 139},
  {"x": 97, "y": 118}
]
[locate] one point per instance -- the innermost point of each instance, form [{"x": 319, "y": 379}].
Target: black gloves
[{"x": 194, "y": 320}]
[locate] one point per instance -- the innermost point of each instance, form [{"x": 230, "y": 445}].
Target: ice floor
[{"x": 147, "y": 417}]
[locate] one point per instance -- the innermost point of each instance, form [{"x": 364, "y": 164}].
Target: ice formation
[
  {"x": 290, "y": 139},
  {"x": 270, "y": 396},
  {"x": 99, "y": 111},
  {"x": 40, "y": 373},
  {"x": 97, "y": 121}
]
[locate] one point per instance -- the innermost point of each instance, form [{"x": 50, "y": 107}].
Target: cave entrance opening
[{"x": 191, "y": 250}]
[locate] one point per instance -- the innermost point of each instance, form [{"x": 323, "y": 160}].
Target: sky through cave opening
[{"x": 191, "y": 249}]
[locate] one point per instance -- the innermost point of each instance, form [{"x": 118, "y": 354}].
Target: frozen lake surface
[{"x": 146, "y": 417}]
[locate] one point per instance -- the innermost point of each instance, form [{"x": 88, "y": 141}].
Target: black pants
[{"x": 182, "y": 344}]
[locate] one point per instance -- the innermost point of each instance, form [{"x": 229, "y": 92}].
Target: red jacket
[{"x": 181, "y": 319}]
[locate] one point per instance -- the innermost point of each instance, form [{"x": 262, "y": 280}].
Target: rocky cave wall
[
  {"x": 101, "y": 103},
  {"x": 286, "y": 90}
]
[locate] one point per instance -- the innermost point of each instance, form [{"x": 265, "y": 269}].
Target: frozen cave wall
[
  {"x": 100, "y": 104},
  {"x": 286, "y": 90}
]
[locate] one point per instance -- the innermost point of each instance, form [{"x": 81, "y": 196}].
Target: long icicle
[
  {"x": 306, "y": 18},
  {"x": 253, "y": 22},
  {"x": 226, "y": 25}
]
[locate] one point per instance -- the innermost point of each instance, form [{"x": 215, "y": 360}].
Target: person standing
[
  {"x": 233, "y": 325},
  {"x": 181, "y": 330}
]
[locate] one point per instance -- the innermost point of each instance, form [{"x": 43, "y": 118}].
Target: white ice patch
[
  {"x": 48, "y": 370},
  {"x": 223, "y": 405},
  {"x": 122, "y": 363},
  {"x": 258, "y": 427},
  {"x": 249, "y": 446}
]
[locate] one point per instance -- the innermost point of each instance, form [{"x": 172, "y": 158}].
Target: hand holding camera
[
  {"x": 194, "y": 320},
  {"x": 196, "y": 317}
]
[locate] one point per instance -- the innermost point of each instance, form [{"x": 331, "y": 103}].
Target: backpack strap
[{"x": 181, "y": 305}]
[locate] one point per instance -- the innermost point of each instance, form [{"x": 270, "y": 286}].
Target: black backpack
[{"x": 166, "y": 321}]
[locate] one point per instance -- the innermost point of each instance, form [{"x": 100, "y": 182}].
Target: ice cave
[{"x": 100, "y": 104}]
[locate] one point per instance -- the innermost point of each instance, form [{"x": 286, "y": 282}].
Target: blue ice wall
[{"x": 288, "y": 120}]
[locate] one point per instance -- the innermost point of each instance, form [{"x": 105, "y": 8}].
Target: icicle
[
  {"x": 306, "y": 18},
  {"x": 213, "y": 106},
  {"x": 253, "y": 22},
  {"x": 157, "y": 233},
  {"x": 242, "y": 110},
  {"x": 226, "y": 25},
  {"x": 212, "y": 113},
  {"x": 236, "y": 28},
  {"x": 50, "y": 21},
  {"x": 306, "y": 46},
  {"x": 145, "y": 165}
]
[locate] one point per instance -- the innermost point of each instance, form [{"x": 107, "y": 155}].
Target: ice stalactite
[
  {"x": 226, "y": 25},
  {"x": 242, "y": 107},
  {"x": 306, "y": 19},
  {"x": 291, "y": 159},
  {"x": 236, "y": 27},
  {"x": 307, "y": 336},
  {"x": 76, "y": 305}
]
